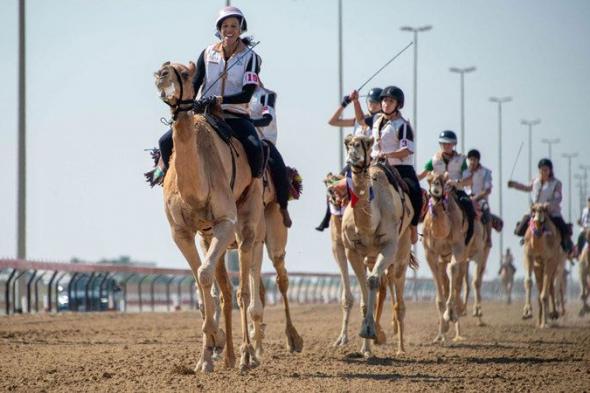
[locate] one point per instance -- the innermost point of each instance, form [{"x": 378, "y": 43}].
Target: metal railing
[{"x": 57, "y": 287}]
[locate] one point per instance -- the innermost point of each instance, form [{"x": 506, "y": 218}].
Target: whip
[
  {"x": 516, "y": 161},
  {"x": 385, "y": 65}
]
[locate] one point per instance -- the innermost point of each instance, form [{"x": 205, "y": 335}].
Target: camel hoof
[
  {"x": 527, "y": 313},
  {"x": 341, "y": 341},
  {"x": 400, "y": 352},
  {"x": 294, "y": 340},
  {"x": 205, "y": 367},
  {"x": 368, "y": 330},
  {"x": 230, "y": 361},
  {"x": 381, "y": 338},
  {"x": 477, "y": 312},
  {"x": 457, "y": 339},
  {"x": 440, "y": 338},
  {"x": 219, "y": 341},
  {"x": 481, "y": 323},
  {"x": 248, "y": 359},
  {"x": 367, "y": 354},
  {"x": 553, "y": 315}
]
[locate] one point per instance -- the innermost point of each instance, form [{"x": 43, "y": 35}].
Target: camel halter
[{"x": 180, "y": 105}]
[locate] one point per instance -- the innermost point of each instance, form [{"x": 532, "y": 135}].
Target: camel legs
[
  {"x": 584, "y": 276},
  {"x": 527, "y": 261},
  {"x": 381, "y": 296},
  {"x": 357, "y": 263},
  {"x": 465, "y": 286},
  {"x": 384, "y": 261},
  {"x": 400, "y": 305},
  {"x": 346, "y": 298},
  {"x": 213, "y": 337},
  {"x": 454, "y": 270},
  {"x": 439, "y": 278},
  {"x": 276, "y": 242},
  {"x": 477, "y": 281}
]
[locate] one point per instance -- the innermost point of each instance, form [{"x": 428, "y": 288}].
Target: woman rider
[
  {"x": 360, "y": 127},
  {"x": 233, "y": 91},
  {"x": 262, "y": 112},
  {"x": 394, "y": 143},
  {"x": 546, "y": 188}
]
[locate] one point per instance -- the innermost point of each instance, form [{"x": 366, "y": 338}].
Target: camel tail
[{"x": 413, "y": 261}]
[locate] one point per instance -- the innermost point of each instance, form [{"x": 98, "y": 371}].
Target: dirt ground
[{"x": 157, "y": 352}]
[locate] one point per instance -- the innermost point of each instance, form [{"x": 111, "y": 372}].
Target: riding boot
[
  {"x": 326, "y": 221},
  {"x": 286, "y": 218},
  {"x": 522, "y": 225},
  {"x": 156, "y": 175}
]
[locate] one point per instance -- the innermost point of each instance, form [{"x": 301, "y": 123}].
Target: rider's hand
[
  {"x": 354, "y": 96},
  {"x": 203, "y": 103},
  {"x": 511, "y": 183},
  {"x": 345, "y": 101}
]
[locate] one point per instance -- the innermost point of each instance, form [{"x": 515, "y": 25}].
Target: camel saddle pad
[{"x": 220, "y": 126}]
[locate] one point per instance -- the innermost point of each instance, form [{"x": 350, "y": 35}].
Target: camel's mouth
[{"x": 436, "y": 190}]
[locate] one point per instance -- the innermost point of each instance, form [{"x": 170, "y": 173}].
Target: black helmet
[
  {"x": 447, "y": 136},
  {"x": 545, "y": 162},
  {"x": 474, "y": 153},
  {"x": 374, "y": 94},
  {"x": 394, "y": 92}
]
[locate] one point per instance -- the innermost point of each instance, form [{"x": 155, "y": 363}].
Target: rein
[{"x": 180, "y": 105}]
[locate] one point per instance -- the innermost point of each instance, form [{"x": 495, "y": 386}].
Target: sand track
[{"x": 157, "y": 352}]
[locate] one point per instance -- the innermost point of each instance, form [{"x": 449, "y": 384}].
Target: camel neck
[
  {"x": 363, "y": 217},
  {"x": 191, "y": 168}
]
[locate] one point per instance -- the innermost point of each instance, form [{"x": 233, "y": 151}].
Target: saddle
[
  {"x": 394, "y": 177},
  {"x": 220, "y": 126}
]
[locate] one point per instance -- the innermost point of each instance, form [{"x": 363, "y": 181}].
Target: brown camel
[
  {"x": 445, "y": 226},
  {"x": 199, "y": 198},
  {"x": 376, "y": 234},
  {"x": 338, "y": 200},
  {"x": 542, "y": 254},
  {"x": 584, "y": 274},
  {"x": 507, "y": 279},
  {"x": 276, "y": 243}
]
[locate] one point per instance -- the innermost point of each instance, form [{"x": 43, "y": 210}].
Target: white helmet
[{"x": 226, "y": 12}]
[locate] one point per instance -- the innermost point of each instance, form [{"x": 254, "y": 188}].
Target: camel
[
  {"x": 560, "y": 287},
  {"x": 338, "y": 200},
  {"x": 376, "y": 234},
  {"x": 444, "y": 228},
  {"x": 542, "y": 254},
  {"x": 584, "y": 274},
  {"x": 507, "y": 279},
  {"x": 203, "y": 194}
]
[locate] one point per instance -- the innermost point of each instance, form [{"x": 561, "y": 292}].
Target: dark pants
[
  {"x": 243, "y": 130},
  {"x": 278, "y": 172},
  {"x": 467, "y": 205},
  {"x": 326, "y": 220},
  {"x": 408, "y": 174},
  {"x": 581, "y": 240},
  {"x": 562, "y": 227}
]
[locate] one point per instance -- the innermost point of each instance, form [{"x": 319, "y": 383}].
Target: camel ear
[
  {"x": 165, "y": 64},
  {"x": 369, "y": 142},
  {"x": 192, "y": 68},
  {"x": 430, "y": 178},
  {"x": 347, "y": 140},
  {"x": 446, "y": 176},
  {"x": 545, "y": 206}
]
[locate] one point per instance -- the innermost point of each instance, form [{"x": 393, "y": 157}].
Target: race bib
[{"x": 250, "y": 78}]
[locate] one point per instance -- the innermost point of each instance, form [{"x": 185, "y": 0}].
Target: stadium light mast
[
  {"x": 550, "y": 142},
  {"x": 21, "y": 252},
  {"x": 500, "y": 101},
  {"x": 462, "y": 72},
  {"x": 569, "y": 180},
  {"x": 530, "y": 124}
]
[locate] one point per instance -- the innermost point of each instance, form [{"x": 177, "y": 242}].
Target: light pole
[
  {"x": 500, "y": 101},
  {"x": 416, "y": 30},
  {"x": 580, "y": 185},
  {"x": 585, "y": 168},
  {"x": 462, "y": 72},
  {"x": 530, "y": 124},
  {"x": 550, "y": 143},
  {"x": 340, "y": 89},
  {"x": 569, "y": 185}
]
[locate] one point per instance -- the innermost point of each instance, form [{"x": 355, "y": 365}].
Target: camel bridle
[
  {"x": 180, "y": 105},
  {"x": 364, "y": 166}
]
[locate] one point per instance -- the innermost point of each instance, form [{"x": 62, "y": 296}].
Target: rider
[
  {"x": 394, "y": 144},
  {"x": 507, "y": 262},
  {"x": 546, "y": 188},
  {"x": 232, "y": 91},
  {"x": 362, "y": 127},
  {"x": 585, "y": 224},
  {"x": 449, "y": 161},
  {"x": 262, "y": 112},
  {"x": 480, "y": 188}
]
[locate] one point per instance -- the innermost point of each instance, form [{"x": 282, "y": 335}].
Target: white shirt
[
  {"x": 548, "y": 192},
  {"x": 261, "y": 104},
  {"x": 237, "y": 76},
  {"x": 585, "y": 220},
  {"x": 391, "y": 136},
  {"x": 481, "y": 180}
]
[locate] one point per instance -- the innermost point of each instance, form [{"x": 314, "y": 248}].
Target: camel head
[
  {"x": 174, "y": 82},
  {"x": 436, "y": 185},
  {"x": 539, "y": 214},
  {"x": 358, "y": 150},
  {"x": 336, "y": 188}
]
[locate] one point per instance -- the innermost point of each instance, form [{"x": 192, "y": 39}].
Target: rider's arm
[
  {"x": 519, "y": 186},
  {"x": 249, "y": 84},
  {"x": 358, "y": 112},
  {"x": 200, "y": 74},
  {"x": 337, "y": 121},
  {"x": 427, "y": 169},
  {"x": 268, "y": 111}
]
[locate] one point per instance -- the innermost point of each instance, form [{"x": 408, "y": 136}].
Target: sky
[{"x": 92, "y": 107}]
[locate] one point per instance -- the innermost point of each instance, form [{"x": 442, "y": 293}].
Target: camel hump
[
  {"x": 222, "y": 129},
  {"x": 394, "y": 178}
]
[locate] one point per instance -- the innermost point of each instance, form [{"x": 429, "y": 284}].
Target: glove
[
  {"x": 345, "y": 101},
  {"x": 203, "y": 103}
]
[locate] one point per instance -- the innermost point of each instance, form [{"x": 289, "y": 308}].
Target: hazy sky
[{"x": 92, "y": 106}]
